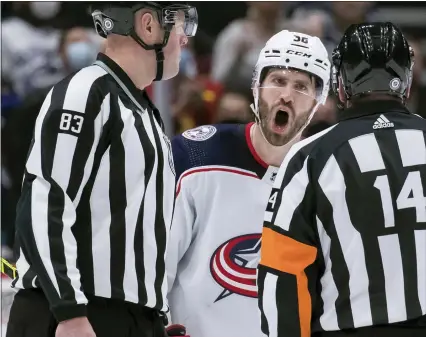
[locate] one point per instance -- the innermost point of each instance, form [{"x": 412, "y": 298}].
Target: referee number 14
[{"x": 411, "y": 196}]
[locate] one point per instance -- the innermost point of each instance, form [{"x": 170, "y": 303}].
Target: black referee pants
[
  {"x": 413, "y": 328},
  {"x": 30, "y": 317}
]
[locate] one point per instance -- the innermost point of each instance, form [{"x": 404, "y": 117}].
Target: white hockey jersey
[{"x": 222, "y": 191}]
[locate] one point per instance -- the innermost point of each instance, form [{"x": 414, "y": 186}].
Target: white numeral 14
[{"x": 411, "y": 195}]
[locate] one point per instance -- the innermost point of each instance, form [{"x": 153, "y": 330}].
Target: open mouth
[{"x": 280, "y": 121}]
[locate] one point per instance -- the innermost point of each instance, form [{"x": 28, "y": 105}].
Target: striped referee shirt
[
  {"x": 98, "y": 195},
  {"x": 344, "y": 237}
]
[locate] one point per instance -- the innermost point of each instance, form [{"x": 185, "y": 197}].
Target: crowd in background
[{"x": 42, "y": 42}]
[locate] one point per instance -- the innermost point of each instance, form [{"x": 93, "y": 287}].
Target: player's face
[
  {"x": 172, "y": 50},
  {"x": 286, "y": 100}
]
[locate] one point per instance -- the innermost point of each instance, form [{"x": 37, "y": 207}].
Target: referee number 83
[{"x": 71, "y": 123}]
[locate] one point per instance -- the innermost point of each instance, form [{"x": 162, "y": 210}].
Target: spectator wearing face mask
[{"x": 78, "y": 49}]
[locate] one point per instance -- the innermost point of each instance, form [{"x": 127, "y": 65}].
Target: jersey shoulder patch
[
  {"x": 200, "y": 133},
  {"x": 206, "y": 145}
]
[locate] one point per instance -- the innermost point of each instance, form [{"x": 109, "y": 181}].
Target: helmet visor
[{"x": 292, "y": 84}]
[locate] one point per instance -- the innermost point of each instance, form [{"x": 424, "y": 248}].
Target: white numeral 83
[{"x": 71, "y": 122}]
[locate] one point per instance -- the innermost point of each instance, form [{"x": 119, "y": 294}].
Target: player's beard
[{"x": 295, "y": 124}]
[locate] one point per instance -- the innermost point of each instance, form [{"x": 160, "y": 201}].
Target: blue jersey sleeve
[{"x": 180, "y": 156}]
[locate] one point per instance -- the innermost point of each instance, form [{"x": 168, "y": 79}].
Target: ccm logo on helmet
[{"x": 298, "y": 53}]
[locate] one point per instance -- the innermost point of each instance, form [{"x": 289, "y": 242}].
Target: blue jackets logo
[
  {"x": 233, "y": 266},
  {"x": 200, "y": 133}
]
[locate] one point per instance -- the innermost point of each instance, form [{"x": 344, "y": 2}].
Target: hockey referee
[
  {"x": 98, "y": 192},
  {"x": 344, "y": 238}
]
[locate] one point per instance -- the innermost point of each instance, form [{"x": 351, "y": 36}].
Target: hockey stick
[{"x": 7, "y": 268}]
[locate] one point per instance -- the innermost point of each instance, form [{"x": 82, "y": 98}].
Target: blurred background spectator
[
  {"x": 31, "y": 55},
  {"x": 233, "y": 107},
  {"x": 237, "y": 47},
  {"x": 330, "y": 19},
  {"x": 42, "y": 42}
]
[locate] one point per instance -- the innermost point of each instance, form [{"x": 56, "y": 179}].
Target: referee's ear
[{"x": 147, "y": 27}]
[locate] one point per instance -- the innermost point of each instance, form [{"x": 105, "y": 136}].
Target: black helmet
[
  {"x": 373, "y": 57},
  {"x": 118, "y": 18}
]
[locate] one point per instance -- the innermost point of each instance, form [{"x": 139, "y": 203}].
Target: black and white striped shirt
[
  {"x": 344, "y": 238},
  {"x": 98, "y": 195}
]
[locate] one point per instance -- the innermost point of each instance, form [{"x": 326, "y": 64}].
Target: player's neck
[{"x": 271, "y": 155}]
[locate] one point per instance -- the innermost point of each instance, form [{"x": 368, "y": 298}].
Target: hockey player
[{"x": 225, "y": 174}]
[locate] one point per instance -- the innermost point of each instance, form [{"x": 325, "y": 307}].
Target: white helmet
[{"x": 297, "y": 51}]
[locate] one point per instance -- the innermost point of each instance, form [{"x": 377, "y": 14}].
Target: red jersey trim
[
  {"x": 217, "y": 169},
  {"x": 251, "y": 147}
]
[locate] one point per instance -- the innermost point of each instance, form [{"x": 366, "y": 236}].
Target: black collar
[
  {"x": 140, "y": 95},
  {"x": 366, "y": 108}
]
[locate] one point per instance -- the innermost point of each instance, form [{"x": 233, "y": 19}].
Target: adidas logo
[{"x": 382, "y": 123}]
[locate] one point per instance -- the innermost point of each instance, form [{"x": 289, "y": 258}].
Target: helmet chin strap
[
  {"x": 158, "y": 49},
  {"x": 159, "y": 55},
  {"x": 257, "y": 119}
]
